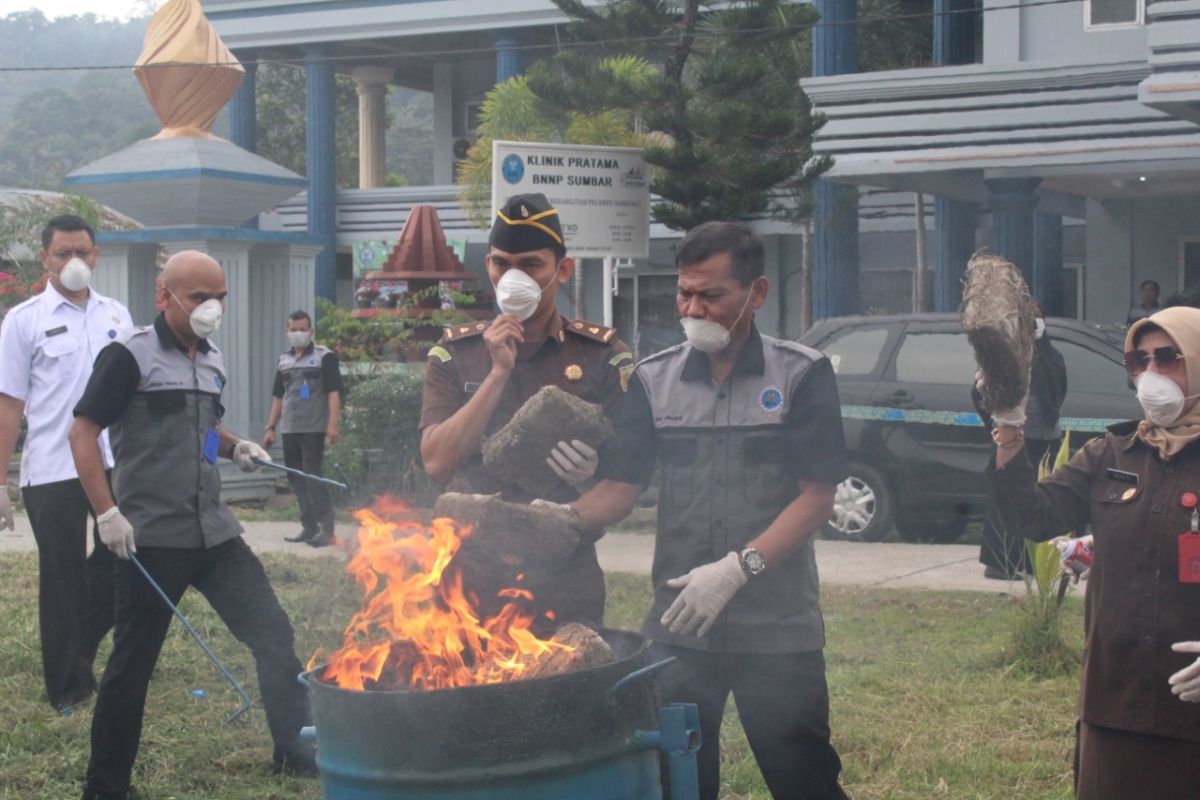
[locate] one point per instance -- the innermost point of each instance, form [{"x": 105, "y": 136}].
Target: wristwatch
[{"x": 752, "y": 561}]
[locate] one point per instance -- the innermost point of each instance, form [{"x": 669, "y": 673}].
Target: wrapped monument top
[
  {"x": 517, "y": 453},
  {"x": 998, "y": 317}
]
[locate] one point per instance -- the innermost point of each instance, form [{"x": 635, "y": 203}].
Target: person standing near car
[
  {"x": 47, "y": 346},
  {"x": 1147, "y": 302},
  {"x": 1139, "y": 730},
  {"x": 748, "y": 430},
  {"x": 1003, "y": 555},
  {"x": 305, "y": 406}
]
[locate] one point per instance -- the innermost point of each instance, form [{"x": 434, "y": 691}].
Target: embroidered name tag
[
  {"x": 1122, "y": 476},
  {"x": 56, "y": 331},
  {"x": 470, "y": 386}
]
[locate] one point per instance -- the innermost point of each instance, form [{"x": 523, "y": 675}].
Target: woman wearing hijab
[{"x": 1139, "y": 700}]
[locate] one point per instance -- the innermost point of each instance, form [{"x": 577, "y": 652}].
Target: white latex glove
[
  {"x": 116, "y": 533},
  {"x": 706, "y": 591},
  {"x": 1077, "y": 565},
  {"x": 246, "y": 451},
  {"x": 560, "y": 508},
  {"x": 1185, "y": 684},
  {"x": 575, "y": 462},
  {"x": 1012, "y": 417},
  {"x": 6, "y": 512}
]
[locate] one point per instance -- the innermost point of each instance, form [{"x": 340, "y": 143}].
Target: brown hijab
[{"x": 1182, "y": 324}]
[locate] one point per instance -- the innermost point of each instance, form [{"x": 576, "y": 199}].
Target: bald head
[
  {"x": 188, "y": 279},
  {"x": 188, "y": 265}
]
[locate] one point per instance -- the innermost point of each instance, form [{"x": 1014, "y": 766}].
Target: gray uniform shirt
[
  {"x": 162, "y": 410},
  {"x": 303, "y": 382},
  {"x": 732, "y": 454}
]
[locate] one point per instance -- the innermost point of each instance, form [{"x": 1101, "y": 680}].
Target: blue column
[
  {"x": 953, "y": 32},
  {"x": 509, "y": 63},
  {"x": 1047, "y": 286},
  {"x": 322, "y": 169},
  {"x": 1013, "y": 202},
  {"x": 953, "y": 245},
  {"x": 835, "y": 214},
  {"x": 243, "y": 107},
  {"x": 835, "y": 250}
]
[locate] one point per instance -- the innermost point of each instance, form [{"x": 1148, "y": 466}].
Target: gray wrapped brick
[{"x": 517, "y": 453}]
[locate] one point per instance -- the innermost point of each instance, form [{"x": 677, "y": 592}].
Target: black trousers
[
  {"x": 232, "y": 579},
  {"x": 998, "y": 549},
  {"x": 783, "y": 702},
  {"x": 75, "y": 590},
  {"x": 306, "y": 452}
]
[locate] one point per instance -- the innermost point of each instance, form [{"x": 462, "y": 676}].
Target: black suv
[{"x": 917, "y": 447}]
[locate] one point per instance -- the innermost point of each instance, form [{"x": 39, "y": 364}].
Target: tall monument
[{"x": 194, "y": 190}]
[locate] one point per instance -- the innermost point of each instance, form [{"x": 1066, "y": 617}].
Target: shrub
[{"x": 380, "y": 449}]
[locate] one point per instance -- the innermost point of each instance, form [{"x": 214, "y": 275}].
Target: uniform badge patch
[
  {"x": 626, "y": 371},
  {"x": 771, "y": 399},
  {"x": 573, "y": 372},
  {"x": 440, "y": 353},
  {"x": 217, "y": 381}
]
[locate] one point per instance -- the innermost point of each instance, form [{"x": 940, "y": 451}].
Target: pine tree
[{"x": 730, "y": 129}]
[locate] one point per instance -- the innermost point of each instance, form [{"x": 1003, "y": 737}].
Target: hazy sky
[{"x": 120, "y": 9}]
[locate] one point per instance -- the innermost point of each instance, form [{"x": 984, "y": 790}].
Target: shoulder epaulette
[
  {"x": 590, "y": 330},
  {"x": 455, "y": 332}
]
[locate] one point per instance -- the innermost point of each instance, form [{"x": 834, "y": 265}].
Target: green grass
[{"x": 923, "y": 702}]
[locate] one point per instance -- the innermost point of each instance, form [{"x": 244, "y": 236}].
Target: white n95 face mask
[
  {"x": 708, "y": 336},
  {"x": 76, "y": 275},
  {"x": 1161, "y": 398},
  {"x": 205, "y": 318},
  {"x": 1039, "y": 328},
  {"x": 299, "y": 339},
  {"x": 517, "y": 294}
]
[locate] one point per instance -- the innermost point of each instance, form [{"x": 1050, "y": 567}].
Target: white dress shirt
[{"x": 47, "y": 348}]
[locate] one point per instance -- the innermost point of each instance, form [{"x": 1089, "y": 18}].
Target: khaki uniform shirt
[
  {"x": 1136, "y": 607},
  {"x": 582, "y": 358}
]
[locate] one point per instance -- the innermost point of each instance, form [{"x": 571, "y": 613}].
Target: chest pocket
[
  {"x": 766, "y": 478},
  {"x": 169, "y": 418},
  {"x": 60, "y": 351},
  {"x": 679, "y": 472}
]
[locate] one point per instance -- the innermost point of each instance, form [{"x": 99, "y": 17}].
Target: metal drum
[{"x": 584, "y": 735}]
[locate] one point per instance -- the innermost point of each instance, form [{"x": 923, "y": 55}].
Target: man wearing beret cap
[{"x": 479, "y": 375}]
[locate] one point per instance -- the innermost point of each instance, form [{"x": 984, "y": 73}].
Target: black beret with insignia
[{"x": 527, "y": 222}]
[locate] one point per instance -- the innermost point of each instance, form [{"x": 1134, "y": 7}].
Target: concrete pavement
[{"x": 887, "y": 565}]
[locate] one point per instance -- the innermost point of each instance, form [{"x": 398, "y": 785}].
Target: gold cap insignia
[
  {"x": 524, "y": 212},
  {"x": 573, "y": 372}
]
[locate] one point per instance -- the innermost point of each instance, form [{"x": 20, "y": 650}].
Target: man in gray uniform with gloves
[
  {"x": 157, "y": 390},
  {"x": 305, "y": 408}
]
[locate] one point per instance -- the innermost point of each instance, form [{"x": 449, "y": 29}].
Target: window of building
[
  {"x": 1073, "y": 291},
  {"x": 855, "y": 352},
  {"x": 944, "y": 358},
  {"x": 1112, "y": 13},
  {"x": 1189, "y": 265}
]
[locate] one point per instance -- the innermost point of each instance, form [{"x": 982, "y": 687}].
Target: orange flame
[{"x": 417, "y": 628}]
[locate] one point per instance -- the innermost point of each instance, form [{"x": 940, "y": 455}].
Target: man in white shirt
[{"x": 47, "y": 347}]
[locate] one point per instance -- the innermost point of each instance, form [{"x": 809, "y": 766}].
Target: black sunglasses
[{"x": 1165, "y": 358}]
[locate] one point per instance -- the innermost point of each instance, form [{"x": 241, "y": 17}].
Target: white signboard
[{"x": 602, "y": 193}]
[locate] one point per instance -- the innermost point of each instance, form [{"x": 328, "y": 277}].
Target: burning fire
[{"x": 417, "y": 628}]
